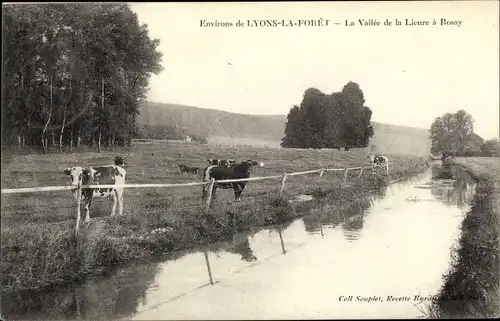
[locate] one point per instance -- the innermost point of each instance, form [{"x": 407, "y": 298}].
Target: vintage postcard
[{"x": 250, "y": 160}]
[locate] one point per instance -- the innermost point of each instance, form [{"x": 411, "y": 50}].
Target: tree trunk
[
  {"x": 19, "y": 141},
  {"x": 93, "y": 140},
  {"x": 102, "y": 105},
  {"x": 44, "y": 147},
  {"x": 53, "y": 138},
  {"x": 65, "y": 114},
  {"x": 44, "y": 151},
  {"x": 99, "y": 143},
  {"x": 23, "y": 140},
  {"x": 79, "y": 138},
  {"x": 112, "y": 140},
  {"x": 62, "y": 132},
  {"x": 71, "y": 140},
  {"x": 61, "y": 140}
]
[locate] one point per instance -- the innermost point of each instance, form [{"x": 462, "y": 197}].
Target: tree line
[
  {"x": 453, "y": 134},
  {"x": 166, "y": 131},
  {"x": 74, "y": 73},
  {"x": 336, "y": 120}
]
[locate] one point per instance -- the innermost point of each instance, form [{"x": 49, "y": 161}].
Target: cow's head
[
  {"x": 371, "y": 157},
  {"x": 120, "y": 160},
  {"x": 253, "y": 163},
  {"x": 75, "y": 175}
]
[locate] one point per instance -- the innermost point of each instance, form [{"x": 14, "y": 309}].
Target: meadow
[{"x": 39, "y": 246}]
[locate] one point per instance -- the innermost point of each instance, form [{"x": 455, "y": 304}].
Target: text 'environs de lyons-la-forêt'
[{"x": 321, "y": 22}]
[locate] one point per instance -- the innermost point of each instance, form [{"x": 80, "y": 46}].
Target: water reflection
[
  {"x": 457, "y": 189},
  {"x": 241, "y": 245},
  {"x": 148, "y": 291},
  {"x": 115, "y": 296}
]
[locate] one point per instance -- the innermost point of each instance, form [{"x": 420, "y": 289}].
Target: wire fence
[{"x": 186, "y": 205}]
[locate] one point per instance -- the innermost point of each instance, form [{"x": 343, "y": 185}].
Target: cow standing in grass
[
  {"x": 237, "y": 171},
  {"x": 378, "y": 161},
  {"x": 98, "y": 175}
]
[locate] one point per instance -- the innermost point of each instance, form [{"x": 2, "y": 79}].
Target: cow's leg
[
  {"x": 238, "y": 188},
  {"x": 87, "y": 201},
  {"x": 119, "y": 195},
  {"x": 115, "y": 200},
  {"x": 213, "y": 192}
]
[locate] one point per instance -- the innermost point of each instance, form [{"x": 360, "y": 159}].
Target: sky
[{"x": 409, "y": 74}]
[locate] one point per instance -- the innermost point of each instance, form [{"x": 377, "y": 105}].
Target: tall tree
[
  {"x": 293, "y": 129},
  {"x": 451, "y": 133},
  {"x": 329, "y": 121},
  {"x": 56, "y": 59}
]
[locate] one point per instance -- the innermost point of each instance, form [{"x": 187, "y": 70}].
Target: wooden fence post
[
  {"x": 283, "y": 184},
  {"x": 361, "y": 172},
  {"x": 282, "y": 243},
  {"x": 78, "y": 205},
  {"x": 321, "y": 174},
  {"x": 345, "y": 176},
  {"x": 210, "y": 190},
  {"x": 208, "y": 267}
]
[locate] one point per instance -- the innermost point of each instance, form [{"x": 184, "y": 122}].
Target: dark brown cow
[{"x": 238, "y": 171}]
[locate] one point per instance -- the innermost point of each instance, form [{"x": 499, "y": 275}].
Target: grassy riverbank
[
  {"x": 472, "y": 288},
  {"x": 36, "y": 254}
]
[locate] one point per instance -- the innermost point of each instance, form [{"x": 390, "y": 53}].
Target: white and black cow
[
  {"x": 221, "y": 162},
  {"x": 98, "y": 175},
  {"x": 379, "y": 161},
  {"x": 238, "y": 171}
]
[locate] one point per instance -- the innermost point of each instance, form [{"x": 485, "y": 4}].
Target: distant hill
[{"x": 260, "y": 130}]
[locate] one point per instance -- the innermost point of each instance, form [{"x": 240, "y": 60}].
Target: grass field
[
  {"x": 38, "y": 250},
  {"x": 472, "y": 287}
]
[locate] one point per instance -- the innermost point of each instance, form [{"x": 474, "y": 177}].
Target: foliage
[
  {"x": 159, "y": 132},
  {"x": 76, "y": 69},
  {"x": 453, "y": 134},
  {"x": 329, "y": 121},
  {"x": 166, "y": 132},
  {"x": 491, "y": 148}
]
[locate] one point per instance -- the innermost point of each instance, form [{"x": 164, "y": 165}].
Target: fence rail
[{"x": 210, "y": 184}]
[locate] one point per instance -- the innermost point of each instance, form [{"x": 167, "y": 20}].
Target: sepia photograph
[{"x": 250, "y": 160}]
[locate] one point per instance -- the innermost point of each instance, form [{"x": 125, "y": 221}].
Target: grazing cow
[
  {"x": 378, "y": 161},
  {"x": 104, "y": 175},
  {"x": 187, "y": 169},
  {"x": 238, "y": 171},
  {"x": 221, "y": 162}
]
